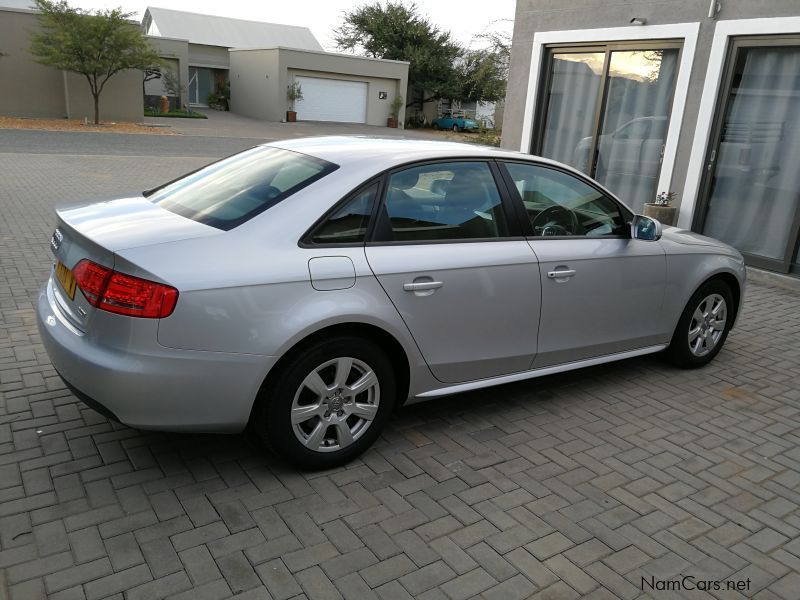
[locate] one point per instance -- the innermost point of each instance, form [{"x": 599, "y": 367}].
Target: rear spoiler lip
[{"x": 101, "y": 232}]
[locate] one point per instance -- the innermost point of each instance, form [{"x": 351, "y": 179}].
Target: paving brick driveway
[{"x": 578, "y": 485}]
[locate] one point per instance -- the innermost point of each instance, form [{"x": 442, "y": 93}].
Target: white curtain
[
  {"x": 755, "y": 193},
  {"x": 574, "y": 87},
  {"x": 640, "y": 89}
]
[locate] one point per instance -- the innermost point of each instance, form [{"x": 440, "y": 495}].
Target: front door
[
  {"x": 201, "y": 84},
  {"x": 601, "y": 290},
  {"x": 461, "y": 276},
  {"x": 750, "y": 197}
]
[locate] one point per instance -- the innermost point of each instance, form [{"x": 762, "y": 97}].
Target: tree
[
  {"x": 499, "y": 44},
  {"x": 484, "y": 73},
  {"x": 481, "y": 77},
  {"x": 149, "y": 74},
  {"x": 96, "y": 45},
  {"x": 398, "y": 32}
]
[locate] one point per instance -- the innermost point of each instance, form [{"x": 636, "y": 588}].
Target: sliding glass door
[
  {"x": 606, "y": 112},
  {"x": 201, "y": 84},
  {"x": 576, "y": 79},
  {"x": 750, "y": 197}
]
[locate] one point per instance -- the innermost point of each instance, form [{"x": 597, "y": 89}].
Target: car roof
[{"x": 384, "y": 152}]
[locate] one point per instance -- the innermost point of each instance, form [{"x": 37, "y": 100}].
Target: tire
[
  {"x": 456, "y": 129},
  {"x": 435, "y": 126},
  {"x": 699, "y": 335},
  {"x": 326, "y": 415}
]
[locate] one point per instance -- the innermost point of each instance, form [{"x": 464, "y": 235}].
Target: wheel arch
[
  {"x": 733, "y": 283},
  {"x": 387, "y": 341}
]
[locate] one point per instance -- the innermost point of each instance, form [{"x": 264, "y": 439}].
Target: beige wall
[
  {"x": 175, "y": 52},
  {"x": 208, "y": 56},
  {"x": 259, "y": 79},
  {"x": 121, "y": 99},
  {"x": 254, "y": 85},
  {"x": 155, "y": 87},
  {"x": 33, "y": 90}
]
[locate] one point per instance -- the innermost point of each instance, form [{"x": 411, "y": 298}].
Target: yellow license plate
[{"x": 66, "y": 279}]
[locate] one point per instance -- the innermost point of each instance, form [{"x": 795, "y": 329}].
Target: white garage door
[{"x": 332, "y": 100}]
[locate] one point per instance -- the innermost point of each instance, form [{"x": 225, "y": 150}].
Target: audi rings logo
[{"x": 57, "y": 238}]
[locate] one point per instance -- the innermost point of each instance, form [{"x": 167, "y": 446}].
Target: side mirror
[{"x": 645, "y": 228}]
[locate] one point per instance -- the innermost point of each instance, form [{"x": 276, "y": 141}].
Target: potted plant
[
  {"x": 394, "y": 111},
  {"x": 293, "y": 93},
  {"x": 662, "y": 209}
]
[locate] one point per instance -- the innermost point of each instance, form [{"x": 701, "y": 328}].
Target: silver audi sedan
[{"x": 306, "y": 288}]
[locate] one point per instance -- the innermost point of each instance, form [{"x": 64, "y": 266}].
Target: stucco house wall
[
  {"x": 538, "y": 16},
  {"x": 259, "y": 79},
  {"x": 34, "y": 90},
  {"x": 254, "y": 85},
  {"x": 201, "y": 55},
  {"x": 175, "y": 52}
]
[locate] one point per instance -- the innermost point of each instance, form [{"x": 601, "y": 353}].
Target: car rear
[
  {"x": 99, "y": 326},
  {"x": 99, "y": 312},
  {"x": 470, "y": 125}
]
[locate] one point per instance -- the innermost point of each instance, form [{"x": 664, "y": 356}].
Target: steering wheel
[{"x": 556, "y": 220}]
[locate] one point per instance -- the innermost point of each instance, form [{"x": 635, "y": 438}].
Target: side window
[
  {"x": 348, "y": 224},
  {"x": 559, "y": 204},
  {"x": 444, "y": 201}
]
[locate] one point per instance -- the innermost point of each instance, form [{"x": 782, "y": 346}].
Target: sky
[{"x": 464, "y": 18}]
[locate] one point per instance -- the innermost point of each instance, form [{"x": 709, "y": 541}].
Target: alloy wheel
[
  {"x": 335, "y": 404},
  {"x": 707, "y": 324}
]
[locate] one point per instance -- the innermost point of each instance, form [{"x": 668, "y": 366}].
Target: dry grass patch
[{"x": 76, "y": 125}]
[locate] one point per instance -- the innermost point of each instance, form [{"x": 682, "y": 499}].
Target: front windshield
[{"x": 229, "y": 192}]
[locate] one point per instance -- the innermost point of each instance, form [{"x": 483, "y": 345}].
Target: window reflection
[
  {"x": 574, "y": 89},
  {"x": 634, "y": 123}
]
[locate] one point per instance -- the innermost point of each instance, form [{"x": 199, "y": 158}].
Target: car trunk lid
[{"x": 97, "y": 231}]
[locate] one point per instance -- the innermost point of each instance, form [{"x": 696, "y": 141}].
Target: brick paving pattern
[{"x": 571, "y": 486}]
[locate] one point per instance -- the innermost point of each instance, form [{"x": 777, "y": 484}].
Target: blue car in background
[{"x": 455, "y": 121}]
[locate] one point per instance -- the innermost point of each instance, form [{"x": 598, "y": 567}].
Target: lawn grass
[{"x": 179, "y": 114}]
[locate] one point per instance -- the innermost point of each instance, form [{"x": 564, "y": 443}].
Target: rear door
[
  {"x": 448, "y": 252},
  {"x": 601, "y": 290}
]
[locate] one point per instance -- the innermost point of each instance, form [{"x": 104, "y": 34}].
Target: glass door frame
[
  {"x": 196, "y": 79},
  {"x": 736, "y": 43},
  {"x": 540, "y": 118}
]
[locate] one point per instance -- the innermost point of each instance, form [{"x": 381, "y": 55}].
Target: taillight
[
  {"x": 91, "y": 279},
  {"x": 124, "y": 294}
]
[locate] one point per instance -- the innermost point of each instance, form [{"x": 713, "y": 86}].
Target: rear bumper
[
  {"x": 152, "y": 387},
  {"x": 90, "y": 402}
]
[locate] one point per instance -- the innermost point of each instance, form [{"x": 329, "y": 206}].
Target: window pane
[
  {"x": 349, "y": 223},
  {"x": 229, "y": 192},
  {"x": 569, "y": 124},
  {"x": 560, "y": 204},
  {"x": 445, "y": 201},
  {"x": 755, "y": 193},
  {"x": 638, "y": 98}
]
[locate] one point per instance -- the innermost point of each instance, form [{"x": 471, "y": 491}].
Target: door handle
[
  {"x": 422, "y": 285},
  {"x": 561, "y": 274}
]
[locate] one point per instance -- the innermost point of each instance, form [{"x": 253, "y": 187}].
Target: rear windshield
[{"x": 229, "y": 192}]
